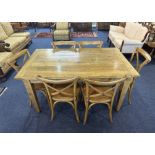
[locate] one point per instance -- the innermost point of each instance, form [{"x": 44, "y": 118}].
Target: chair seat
[
  {"x": 61, "y": 32},
  {"x": 21, "y": 34}
]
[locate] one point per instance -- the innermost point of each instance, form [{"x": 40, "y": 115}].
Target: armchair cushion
[
  {"x": 116, "y": 28},
  {"x": 3, "y": 35},
  {"x": 135, "y": 31},
  {"x": 20, "y": 34},
  {"x": 114, "y": 35},
  {"x": 15, "y": 41},
  {"x": 7, "y": 28},
  {"x": 61, "y": 32},
  {"x": 62, "y": 26}
]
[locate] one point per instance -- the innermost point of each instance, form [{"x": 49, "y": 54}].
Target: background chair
[
  {"x": 62, "y": 31},
  {"x": 129, "y": 38},
  {"x": 139, "y": 65},
  {"x": 59, "y": 91},
  {"x": 83, "y": 44},
  {"x": 12, "y": 61},
  {"x": 98, "y": 92}
]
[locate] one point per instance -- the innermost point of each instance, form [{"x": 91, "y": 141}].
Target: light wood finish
[
  {"x": 11, "y": 61},
  {"x": 89, "y": 63},
  {"x": 98, "y": 92},
  {"x": 83, "y": 44},
  {"x": 139, "y": 65},
  {"x": 61, "y": 91},
  {"x": 56, "y": 44}
]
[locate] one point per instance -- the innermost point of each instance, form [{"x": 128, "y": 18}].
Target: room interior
[{"x": 116, "y": 57}]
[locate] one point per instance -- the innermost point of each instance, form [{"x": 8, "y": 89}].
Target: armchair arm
[
  {"x": 129, "y": 46},
  {"x": 116, "y": 28},
  {"x": 4, "y": 46}
]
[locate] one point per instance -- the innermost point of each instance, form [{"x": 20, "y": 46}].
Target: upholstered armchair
[
  {"x": 129, "y": 38},
  {"x": 61, "y": 31}
]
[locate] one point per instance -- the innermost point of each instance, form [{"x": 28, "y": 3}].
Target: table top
[{"x": 86, "y": 63}]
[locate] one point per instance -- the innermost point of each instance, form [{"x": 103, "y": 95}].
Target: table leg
[
  {"x": 32, "y": 95},
  {"x": 123, "y": 93}
]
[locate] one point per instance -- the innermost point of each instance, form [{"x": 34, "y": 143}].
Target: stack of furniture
[
  {"x": 61, "y": 31},
  {"x": 105, "y": 25},
  {"x": 19, "y": 26},
  {"x": 129, "y": 38},
  {"x": 82, "y": 27},
  {"x": 16, "y": 42}
]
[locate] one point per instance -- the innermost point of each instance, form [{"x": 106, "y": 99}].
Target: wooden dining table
[{"x": 82, "y": 63}]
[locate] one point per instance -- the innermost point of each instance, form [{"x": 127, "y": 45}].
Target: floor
[{"x": 17, "y": 116}]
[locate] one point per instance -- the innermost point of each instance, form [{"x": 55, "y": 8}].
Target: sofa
[
  {"x": 61, "y": 31},
  {"x": 16, "y": 41},
  {"x": 128, "y": 38}
]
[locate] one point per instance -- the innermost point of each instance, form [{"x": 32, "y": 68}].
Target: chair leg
[
  {"x": 52, "y": 111},
  {"x": 110, "y": 114},
  {"x": 76, "y": 113},
  {"x": 85, "y": 115}
]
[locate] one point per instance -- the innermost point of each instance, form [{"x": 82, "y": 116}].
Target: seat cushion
[
  {"x": 116, "y": 35},
  {"x": 3, "y": 35},
  {"x": 62, "y": 25},
  {"x": 21, "y": 34},
  {"x": 7, "y": 28},
  {"x": 61, "y": 32},
  {"x": 15, "y": 41},
  {"x": 3, "y": 57}
]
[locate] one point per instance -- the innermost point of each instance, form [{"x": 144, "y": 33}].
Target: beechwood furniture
[{"x": 65, "y": 64}]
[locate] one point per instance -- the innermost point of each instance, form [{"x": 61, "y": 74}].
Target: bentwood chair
[
  {"x": 59, "y": 91},
  {"x": 58, "y": 44},
  {"x": 99, "y": 92},
  {"x": 13, "y": 60},
  {"x": 139, "y": 65},
  {"x": 83, "y": 44}
]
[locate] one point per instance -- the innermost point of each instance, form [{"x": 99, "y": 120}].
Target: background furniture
[
  {"x": 19, "y": 26},
  {"x": 129, "y": 38},
  {"x": 105, "y": 25},
  {"x": 59, "y": 91},
  {"x": 82, "y": 27},
  {"x": 15, "y": 43},
  {"x": 16, "y": 40},
  {"x": 62, "y": 31},
  {"x": 104, "y": 62}
]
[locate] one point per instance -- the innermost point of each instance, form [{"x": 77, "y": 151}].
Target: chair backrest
[
  {"x": 60, "y": 87},
  {"x": 62, "y": 26},
  {"x": 110, "y": 88},
  {"x": 7, "y": 28},
  {"x": 98, "y": 43},
  {"x": 58, "y": 44},
  {"x": 140, "y": 52},
  {"x": 12, "y": 61},
  {"x": 135, "y": 31}
]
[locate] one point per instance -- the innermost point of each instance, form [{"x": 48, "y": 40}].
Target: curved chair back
[
  {"x": 140, "y": 52},
  {"x": 83, "y": 44}
]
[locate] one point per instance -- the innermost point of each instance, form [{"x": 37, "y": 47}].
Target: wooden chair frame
[
  {"x": 55, "y": 44},
  {"x": 90, "y": 85},
  {"x": 53, "y": 91},
  {"x": 139, "y": 52},
  {"x": 12, "y": 61},
  {"x": 98, "y": 43}
]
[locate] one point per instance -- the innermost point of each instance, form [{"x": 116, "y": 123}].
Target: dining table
[{"x": 83, "y": 63}]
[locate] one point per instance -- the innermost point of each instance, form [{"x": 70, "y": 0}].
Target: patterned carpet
[{"x": 43, "y": 35}]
